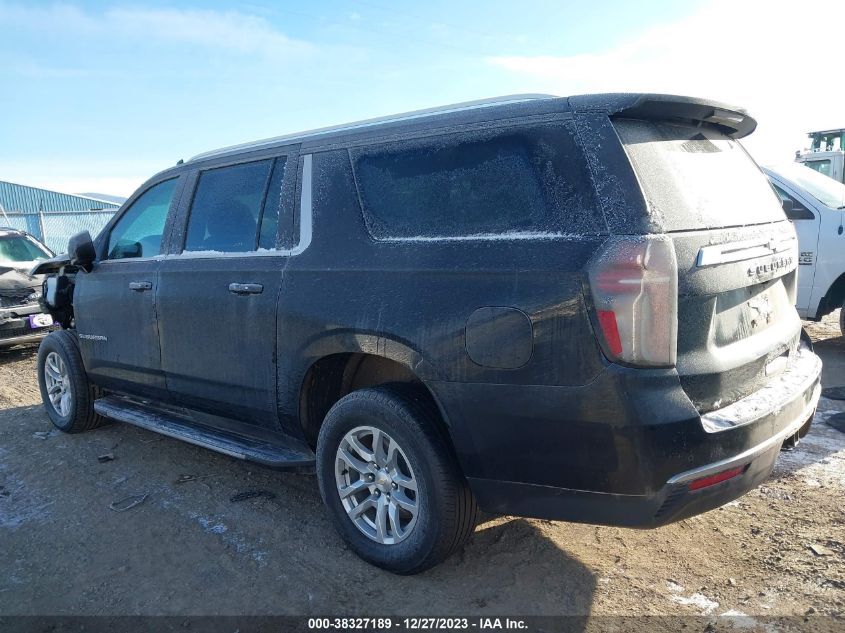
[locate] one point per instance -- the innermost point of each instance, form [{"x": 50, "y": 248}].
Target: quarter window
[
  {"x": 525, "y": 183},
  {"x": 232, "y": 211},
  {"x": 138, "y": 231}
]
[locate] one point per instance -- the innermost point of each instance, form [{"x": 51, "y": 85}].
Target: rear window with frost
[
  {"x": 529, "y": 183},
  {"x": 696, "y": 178}
]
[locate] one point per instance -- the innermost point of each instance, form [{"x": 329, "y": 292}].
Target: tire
[
  {"x": 76, "y": 414},
  {"x": 446, "y": 511}
]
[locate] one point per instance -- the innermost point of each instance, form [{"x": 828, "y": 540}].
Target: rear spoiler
[
  {"x": 730, "y": 120},
  {"x": 52, "y": 265}
]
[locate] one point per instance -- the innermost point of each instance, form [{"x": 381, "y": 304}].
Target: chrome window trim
[{"x": 305, "y": 230}]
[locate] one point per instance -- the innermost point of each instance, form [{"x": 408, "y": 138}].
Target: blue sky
[{"x": 97, "y": 96}]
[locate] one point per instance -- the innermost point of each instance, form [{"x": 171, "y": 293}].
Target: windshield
[
  {"x": 696, "y": 178},
  {"x": 19, "y": 248},
  {"x": 824, "y": 189}
]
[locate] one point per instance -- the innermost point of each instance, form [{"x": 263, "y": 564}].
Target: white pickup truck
[
  {"x": 826, "y": 153},
  {"x": 816, "y": 205}
]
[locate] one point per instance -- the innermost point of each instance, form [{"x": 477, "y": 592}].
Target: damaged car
[
  {"x": 576, "y": 309},
  {"x": 22, "y": 319}
]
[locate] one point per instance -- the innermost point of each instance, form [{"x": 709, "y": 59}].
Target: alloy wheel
[{"x": 376, "y": 485}]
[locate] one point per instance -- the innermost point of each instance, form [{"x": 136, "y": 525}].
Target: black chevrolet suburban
[{"x": 570, "y": 308}]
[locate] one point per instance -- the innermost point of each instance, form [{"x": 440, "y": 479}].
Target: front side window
[
  {"x": 232, "y": 211},
  {"x": 512, "y": 184},
  {"x": 139, "y": 230},
  {"x": 785, "y": 196},
  {"x": 797, "y": 211}
]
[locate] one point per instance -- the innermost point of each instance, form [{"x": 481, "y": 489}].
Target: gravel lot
[{"x": 189, "y": 549}]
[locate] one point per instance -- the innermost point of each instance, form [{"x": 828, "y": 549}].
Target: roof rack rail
[{"x": 405, "y": 116}]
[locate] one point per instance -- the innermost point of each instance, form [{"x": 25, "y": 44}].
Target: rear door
[
  {"x": 218, "y": 291},
  {"x": 114, "y": 304},
  {"x": 736, "y": 256}
]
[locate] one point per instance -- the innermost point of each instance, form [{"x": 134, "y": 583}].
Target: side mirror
[
  {"x": 81, "y": 250},
  {"x": 787, "y": 205}
]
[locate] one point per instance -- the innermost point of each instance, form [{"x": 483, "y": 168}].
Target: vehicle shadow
[
  {"x": 510, "y": 566},
  {"x": 274, "y": 554},
  {"x": 832, "y": 353},
  {"x": 18, "y": 353},
  {"x": 816, "y": 448}
]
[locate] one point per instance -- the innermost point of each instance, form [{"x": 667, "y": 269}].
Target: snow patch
[
  {"x": 674, "y": 587},
  {"x": 240, "y": 544},
  {"x": 820, "y": 456},
  {"x": 19, "y": 505},
  {"x": 740, "y": 620},
  {"x": 218, "y": 528},
  {"x": 698, "y": 600},
  {"x": 771, "y": 397}
]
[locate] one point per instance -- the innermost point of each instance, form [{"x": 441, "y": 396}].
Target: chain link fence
[{"x": 56, "y": 227}]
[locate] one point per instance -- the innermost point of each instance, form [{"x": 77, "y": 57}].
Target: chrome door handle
[
  {"x": 140, "y": 286},
  {"x": 246, "y": 289}
]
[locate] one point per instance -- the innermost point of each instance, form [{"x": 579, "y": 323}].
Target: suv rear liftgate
[{"x": 693, "y": 304}]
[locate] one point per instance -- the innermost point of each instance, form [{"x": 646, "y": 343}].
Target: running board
[{"x": 261, "y": 451}]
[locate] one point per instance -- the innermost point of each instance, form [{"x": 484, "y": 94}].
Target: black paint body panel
[{"x": 499, "y": 330}]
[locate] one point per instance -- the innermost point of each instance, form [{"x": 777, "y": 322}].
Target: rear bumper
[{"x": 626, "y": 458}]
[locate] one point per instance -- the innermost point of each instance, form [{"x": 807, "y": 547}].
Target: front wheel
[
  {"x": 67, "y": 395},
  {"x": 390, "y": 480}
]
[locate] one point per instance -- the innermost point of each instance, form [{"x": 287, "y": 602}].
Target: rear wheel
[
  {"x": 67, "y": 395},
  {"x": 390, "y": 481}
]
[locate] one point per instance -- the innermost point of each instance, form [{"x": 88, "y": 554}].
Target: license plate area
[{"x": 38, "y": 321}]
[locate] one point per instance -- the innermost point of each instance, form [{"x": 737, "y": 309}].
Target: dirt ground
[{"x": 189, "y": 549}]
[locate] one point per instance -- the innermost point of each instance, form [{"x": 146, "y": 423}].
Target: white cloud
[
  {"x": 779, "y": 60},
  {"x": 229, "y": 31}
]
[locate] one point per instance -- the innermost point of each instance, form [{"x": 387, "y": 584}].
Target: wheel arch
[
  {"x": 833, "y": 298},
  {"x": 348, "y": 361}
]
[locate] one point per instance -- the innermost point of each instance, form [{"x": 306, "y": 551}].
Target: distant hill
[{"x": 104, "y": 196}]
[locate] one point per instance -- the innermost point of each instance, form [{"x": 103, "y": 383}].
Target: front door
[
  {"x": 217, "y": 298},
  {"x": 114, "y": 304},
  {"x": 806, "y": 221}
]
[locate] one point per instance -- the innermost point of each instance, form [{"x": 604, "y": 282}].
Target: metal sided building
[{"x": 52, "y": 216}]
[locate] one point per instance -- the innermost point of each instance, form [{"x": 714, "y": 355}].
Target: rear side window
[
  {"x": 520, "y": 183},
  {"x": 232, "y": 210},
  {"x": 696, "y": 178},
  {"x": 138, "y": 231}
]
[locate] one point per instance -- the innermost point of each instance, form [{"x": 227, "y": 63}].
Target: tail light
[{"x": 634, "y": 283}]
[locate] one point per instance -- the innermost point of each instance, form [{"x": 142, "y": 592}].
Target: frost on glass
[
  {"x": 529, "y": 184},
  {"x": 696, "y": 178},
  {"x": 227, "y": 207}
]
